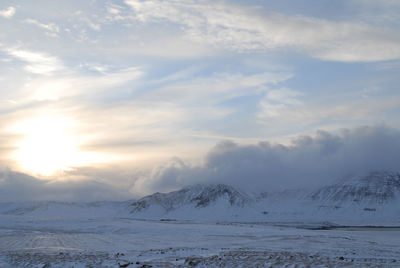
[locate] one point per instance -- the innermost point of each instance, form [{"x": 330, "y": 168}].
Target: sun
[{"x": 47, "y": 145}]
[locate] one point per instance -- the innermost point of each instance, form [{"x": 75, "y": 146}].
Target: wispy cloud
[
  {"x": 115, "y": 12},
  {"x": 51, "y": 28},
  {"x": 238, "y": 29},
  {"x": 38, "y": 63},
  {"x": 8, "y": 12},
  {"x": 277, "y": 101},
  {"x": 296, "y": 111},
  {"x": 216, "y": 87},
  {"x": 56, "y": 80}
]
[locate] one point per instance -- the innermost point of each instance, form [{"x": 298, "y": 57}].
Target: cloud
[
  {"x": 38, "y": 63},
  {"x": 277, "y": 101},
  {"x": 115, "y": 11},
  {"x": 240, "y": 29},
  {"x": 55, "y": 80},
  {"x": 52, "y": 28},
  {"x": 308, "y": 161},
  {"x": 288, "y": 107},
  {"x": 16, "y": 186},
  {"x": 75, "y": 84},
  {"x": 8, "y": 12},
  {"x": 385, "y": 13},
  {"x": 93, "y": 25},
  {"x": 217, "y": 87}
]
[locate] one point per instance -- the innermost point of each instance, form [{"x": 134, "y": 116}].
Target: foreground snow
[
  {"x": 212, "y": 225},
  {"x": 31, "y": 241}
]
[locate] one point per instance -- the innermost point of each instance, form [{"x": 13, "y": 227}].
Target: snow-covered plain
[
  {"x": 90, "y": 235},
  {"x": 355, "y": 223}
]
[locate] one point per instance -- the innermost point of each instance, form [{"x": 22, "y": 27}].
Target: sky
[{"x": 118, "y": 99}]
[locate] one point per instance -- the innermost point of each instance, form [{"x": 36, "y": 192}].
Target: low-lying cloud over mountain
[
  {"x": 308, "y": 162},
  {"x": 16, "y": 186}
]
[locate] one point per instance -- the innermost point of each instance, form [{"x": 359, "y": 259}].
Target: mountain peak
[
  {"x": 198, "y": 196},
  {"x": 373, "y": 187}
]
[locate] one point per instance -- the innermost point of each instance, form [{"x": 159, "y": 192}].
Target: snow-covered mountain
[
  {"x": 375, "y": 188},
  {"x": 199, "y": 196},
  {"x": 369, "y": 198},
  {"x": 53, "y": 209}
]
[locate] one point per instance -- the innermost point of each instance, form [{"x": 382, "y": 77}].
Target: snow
[
  {"x": 208, "y": 226},
  {"x": 370, "y": 199},
  {"x": 30, "y": 241}
]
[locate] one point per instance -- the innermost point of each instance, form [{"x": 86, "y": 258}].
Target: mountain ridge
[
  {"x": 377, "y": 187},
  {"x": 369, "y": 197},
  {"x": 199, "y": 195}
]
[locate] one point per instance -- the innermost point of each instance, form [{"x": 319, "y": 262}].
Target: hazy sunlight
[{"x": 47, "y": 145}]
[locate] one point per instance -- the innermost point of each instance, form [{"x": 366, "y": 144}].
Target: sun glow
[{"x": 47, "y": 145}]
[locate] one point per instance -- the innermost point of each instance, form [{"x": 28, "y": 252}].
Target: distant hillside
[
  {"x": 374, "y": 188},
  {"x": 369, "y": 198}
]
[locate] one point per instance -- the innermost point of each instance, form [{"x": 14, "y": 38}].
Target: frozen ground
[{"x": 116, "y": 241}]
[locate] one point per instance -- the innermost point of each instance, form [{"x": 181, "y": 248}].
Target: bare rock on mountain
[
  {"x": 199, "y": 196},
  {"x": 373, "y": 188}
]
